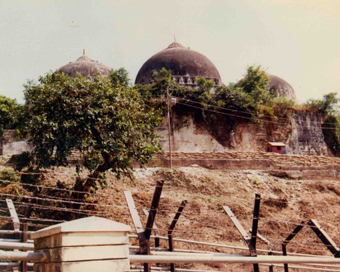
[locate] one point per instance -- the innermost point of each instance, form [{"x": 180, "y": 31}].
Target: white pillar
[{"x": 87, "y": 244}]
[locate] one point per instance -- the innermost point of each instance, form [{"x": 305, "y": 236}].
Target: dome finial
[
  {"x": 83, "y": 51},
  {"x": 175, "y": 38}
]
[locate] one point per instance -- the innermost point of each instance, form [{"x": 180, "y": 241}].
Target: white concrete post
[{"x": 87, "y": 244}]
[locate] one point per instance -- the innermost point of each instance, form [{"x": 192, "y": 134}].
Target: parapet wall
[
  {"x": 11, "y": 145},
  {"x": 302, "y": 134},
  {"x": 291, "y": 166}
]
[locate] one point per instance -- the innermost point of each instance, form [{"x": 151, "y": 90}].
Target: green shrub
[{"x": 9, "y": 174}]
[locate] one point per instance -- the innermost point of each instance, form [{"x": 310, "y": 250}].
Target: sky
[{"x": 297, "y": 40}]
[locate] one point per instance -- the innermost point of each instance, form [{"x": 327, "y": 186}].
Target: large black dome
[
  {"x": 85, "y": 66},
  {"x": 185, "y": 64}
]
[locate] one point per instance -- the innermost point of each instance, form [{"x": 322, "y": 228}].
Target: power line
[
  {"x": 237, "y": 111},
  {"x": 243, "y": 117}
]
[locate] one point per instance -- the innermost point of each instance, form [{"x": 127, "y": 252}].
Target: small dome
[
  {"x": 280, "y": 87},
  {"x": 86, "y": 66},
  {"x": 185, "y": 64}
]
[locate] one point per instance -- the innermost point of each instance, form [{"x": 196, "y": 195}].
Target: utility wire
[{"x": 243, "y": 117}]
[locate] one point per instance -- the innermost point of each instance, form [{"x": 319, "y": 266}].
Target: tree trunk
[{"x": 82, "y": 189}]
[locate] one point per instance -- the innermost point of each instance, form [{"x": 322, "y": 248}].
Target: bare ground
[{"x": 284, "y": 204}]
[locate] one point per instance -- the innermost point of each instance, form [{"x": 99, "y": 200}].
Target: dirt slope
[{"x": 285, "y": 204}]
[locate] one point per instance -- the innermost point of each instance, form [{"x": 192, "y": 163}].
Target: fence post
[
  {"x": 171, "y": 228},
  {"x": 284, "y": 253},
  {"x": 144, "y": 235},
  {"x": 90, "y": 244},
  {"x": 255, "y": 226},
  {"x": 16, "y": 221},
  {"x": 154, "y": 227},
  {"x": 23, "y": 264}
]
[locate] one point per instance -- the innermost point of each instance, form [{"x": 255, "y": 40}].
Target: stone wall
[
  {"x": 11, "y": 145},
  {"x": 189, "y": 137},
  {"x": 290, "y": 166},
  {"x": 302, "y": 135},
  {"x": 306, "y": 137}
]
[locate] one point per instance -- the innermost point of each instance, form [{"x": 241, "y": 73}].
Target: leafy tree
[
  {"x": 12, "y": 115},
  {"x": 329, "y": 108},
  {"x": 246, "y": 101},
  {"x": 331, "y": 132},
  {"x": 328, "y": 105},
  {"x": 255, "y": 84},
  {"x": 104, "y": 120},
  {"x": 120, "y": 77}
]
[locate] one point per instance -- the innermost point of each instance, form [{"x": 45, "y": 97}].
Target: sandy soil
[{"x": 284, "y": 204}]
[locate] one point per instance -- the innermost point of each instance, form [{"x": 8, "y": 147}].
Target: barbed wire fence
[{"x": 192, "y": 230}]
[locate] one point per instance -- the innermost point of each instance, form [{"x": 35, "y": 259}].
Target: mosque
[{"x": 187, "y": 65}]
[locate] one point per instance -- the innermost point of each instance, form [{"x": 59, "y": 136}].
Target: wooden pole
[
  {"x": 153, "y": 209},
  {"x": 144, "y": 234},
  {"x": 284, "y": 253},
  {"x": 23, "y": 264},
  {"x": 169, "y": 127},
  {"x": 155, "y": 229},
  {"x": 171, "y": 228},
  {"x": 255, "y": 226},
  {"x": 241, "y": 230},
  {"x": 16, "y": 221}
]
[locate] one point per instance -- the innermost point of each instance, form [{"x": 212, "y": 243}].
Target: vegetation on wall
[
  {"x": 329, "y": 108},
  {"x": 246, "y": 101},
  {"x": 12, "y": 115}
]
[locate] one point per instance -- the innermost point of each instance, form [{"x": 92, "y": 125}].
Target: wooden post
[
  {"x": 144, "y": 247},
  {"x": 169, "y": 128},
  {"x": 16, "y": 222},
  {"x": 271, "y": 267},
  {"x": 284, "y": 253},
  {"x": 246, "y": 238},
  {"x": 254, "y": 227},
  {"x": 241, "y": 230},
  {"x": 151, "y": 218},
  {"x": 90, "y": 244},
  {"x": 314, "y": 225},
  {"x": 153, "y": 208},
  {"x": 144, "y": 235},
  {"x": 171, "y": 228},
  {"x": 155, "y": 229},
  {"x": 14, "y": 215},
  {"x": 23, "y": 264},
  {"x": 136, "y": 221},
  {"x": 324, "y": 237}
]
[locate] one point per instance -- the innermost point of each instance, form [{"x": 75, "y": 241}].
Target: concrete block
[
  {"x": 86, "y": 253},
  {"x": 81, "y": 239},
  {"x": 89, "y": 224},
  {"x": 87, "y": 266},
  {"x": 87, "y": 244}
]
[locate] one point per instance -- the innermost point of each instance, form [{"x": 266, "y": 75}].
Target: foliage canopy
[
  {"x": 12, "y": 114},
  {"x": 104, "y": 120},
  {"x": 328, "y": 106},
  {"x": 249, "y": 96}
]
